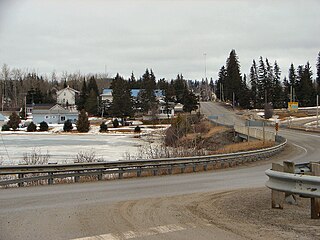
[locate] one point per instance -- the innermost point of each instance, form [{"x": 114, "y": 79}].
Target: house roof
[
  {"x": 54, "y": 109},
  {"x": 67, "y": 88},
  {"x": 134, "y": 92}
]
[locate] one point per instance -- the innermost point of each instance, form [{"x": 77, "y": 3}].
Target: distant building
[
  {"x": 67, "y": 96},
  {"x": 107, "y": 94},
  {"x": 53, "y": 114}
]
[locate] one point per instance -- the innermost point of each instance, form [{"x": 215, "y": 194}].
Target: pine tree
[
  {"x": 190, "y": 101},
  {"x": 121, "y": 105},
  {"x": 262, "y": 79},
  {"x": 92, "y": 85},
  {"x": 83, "y": 124},
  {"x": 318, "y": 74},
  {"x": 293, "y": 82},
  {"x": 278, "y": 96},
  {"x": 221, "y": 83},
  {"x": 147, "y": 95},
  {"x": 306, "y": 93},
  {"x": 83, "y": 96},
  {"x": 244, "y": 93},
  {"x": 67, "y": 126},
  {"x": 32, "y": 127},
  {"x": 91, "y": 105},
  {"x": 180, "y": 87},
  {"x": 14, "y": 121},
  {"x": 254, "y": 84},
  {"x": 233, "y": 78}
]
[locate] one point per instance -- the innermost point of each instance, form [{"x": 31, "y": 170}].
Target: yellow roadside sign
[{"x": 293, "y": 106}]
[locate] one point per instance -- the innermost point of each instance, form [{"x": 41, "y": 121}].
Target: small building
[
  {"x": 54, "y": 114},
  {"x": 67, "y": 96},
  {"x": 106, "y": 95},
  {"x": 3, "y": 119}
]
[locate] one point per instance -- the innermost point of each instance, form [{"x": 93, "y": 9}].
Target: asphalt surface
[{"x": 135, "y": 208}]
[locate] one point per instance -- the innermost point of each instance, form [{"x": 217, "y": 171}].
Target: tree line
[{"x": 264, "y": 84}]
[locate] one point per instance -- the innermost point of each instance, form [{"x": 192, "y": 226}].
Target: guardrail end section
[{"x": 277, "y": 197}]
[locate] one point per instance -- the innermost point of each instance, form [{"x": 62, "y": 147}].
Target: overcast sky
[{"x": 170, "y": 37}]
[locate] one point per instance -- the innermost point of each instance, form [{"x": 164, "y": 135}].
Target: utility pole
[
  {"x": 205, "y": 66},
  {"x": 317, "y": 110}
]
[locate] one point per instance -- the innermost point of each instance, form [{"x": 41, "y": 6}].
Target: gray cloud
[{"x": 168, "y": 36}]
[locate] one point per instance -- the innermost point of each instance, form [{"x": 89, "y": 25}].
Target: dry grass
[
  {"x": 283, "y": 115},
  {"x": 244, "y": 146}
]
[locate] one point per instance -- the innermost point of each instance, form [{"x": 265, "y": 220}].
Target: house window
[
  {"x": 46, "y": 117},
  {"x": 64, "y": 94},
  {"x": 54, "y": 117},
  {"x": 62, "y": 118}
]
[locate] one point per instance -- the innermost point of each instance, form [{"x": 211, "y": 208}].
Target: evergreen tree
[
  {"x": 254, "y": 84},
  {"x": 91, "y": 105},
  {"x": 103, "y": 127},
  {"x": 262, "y": 79},
  {"x": 83, "y": 124},
  {"x": 121, "y": 105},
  {"x": 244, "y": 93},
  {"x": 92, "y": 85},
  {"x": 221, "y": 83},
  {"x": 32, "y": 127},
  {"x": 67, "y": 126},
  {"x": 83, "y": 96},
  {"x": 14, "y": 121},
  {"x": 318, "y": 74},
  {"x": 293, "y": 82},
  {"x": 147, "y": 95},
  {"x": 278, "y": 96},
  {"x": 180, "y": 87},
  {"x": 43, "y": 126},
  {"x": 306, "y": 92},
  {"x": 190, "y": 101},
  {"x": 233, "y": 78}
]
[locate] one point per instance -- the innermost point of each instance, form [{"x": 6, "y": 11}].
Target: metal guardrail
[
  {"x": 30, "y": 173},
  {"x": 302, "y": 179},
  {"x": 303, "y": 185}
]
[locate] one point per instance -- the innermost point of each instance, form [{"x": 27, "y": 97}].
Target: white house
[
  {"x": 67, "y": 96},
  {"x": 53, "y": 114}
]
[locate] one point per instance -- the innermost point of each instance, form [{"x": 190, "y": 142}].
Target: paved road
[{"x": 145, "y": 208}]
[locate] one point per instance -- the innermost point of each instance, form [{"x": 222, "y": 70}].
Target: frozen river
[{"x": 63, "y": 148}]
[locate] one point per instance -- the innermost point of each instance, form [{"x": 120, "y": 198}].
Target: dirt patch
[{"x": 248, "y": 213}]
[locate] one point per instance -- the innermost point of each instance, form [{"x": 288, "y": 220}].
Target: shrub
[
  {"x": 5, "y": 128},
  {"x": 14, "y": 121},
  {"x": 137, "y": 129},
  {"x": 115, "y": 123},
  {"x": 44, "y": 126},
  {"x": 83, "y": 124},
  {"x": 67, "y": 126},
  {"x": 103, "y": 127},
  {"x": 32, "y": 127}
]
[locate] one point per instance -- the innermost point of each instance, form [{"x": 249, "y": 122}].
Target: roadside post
[{"x": 315, "y": 202}]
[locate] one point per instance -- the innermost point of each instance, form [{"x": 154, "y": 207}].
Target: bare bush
[
  {"x": 87, "y": 157},
  {"x": 35, "y": 157}
]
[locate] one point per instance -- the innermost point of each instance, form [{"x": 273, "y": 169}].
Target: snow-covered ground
[{"x": 62, "y": 147}]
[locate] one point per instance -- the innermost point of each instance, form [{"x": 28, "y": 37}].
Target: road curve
[{"x": 140, "y": 208}]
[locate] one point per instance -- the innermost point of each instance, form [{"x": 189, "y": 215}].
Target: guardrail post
[
  {"x": 76, "y": 178},
  {"x": 21, "y": 184},
  {"x": 139, "y": 172},
  {"x": 194, "y": 167},
  {"x": 315, "y": 202},
  {"x": 182, "y": 168},
  {"x": 277, "y": 197},
  {"x": 170, "y": 169},
  {"x": 205, "y": 166},
  {"x": 155, "y": 172},
  {"x": 120, "y": 174},
  {"x": 50, "y": 179},
  {"x": 289, "y": 167},
  {"x": 100, "y": 176}
]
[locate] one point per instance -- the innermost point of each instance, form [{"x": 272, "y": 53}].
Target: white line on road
[
  {"x": 300, "y": 147},
  {"x": 136, "y": 234}
]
